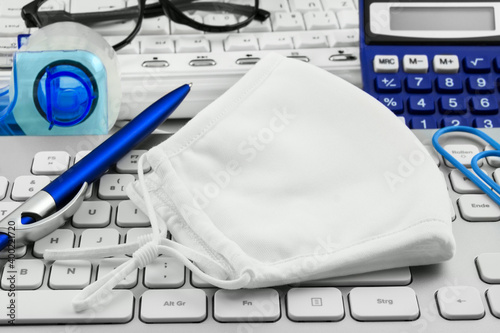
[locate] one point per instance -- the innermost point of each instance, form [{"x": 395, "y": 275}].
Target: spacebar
[{"x": 54, "y": 307}]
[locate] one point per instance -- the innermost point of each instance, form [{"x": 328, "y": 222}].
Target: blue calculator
[{"x": 434, "y": 64}]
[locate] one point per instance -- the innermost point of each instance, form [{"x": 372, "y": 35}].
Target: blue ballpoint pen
[{"x": 49, "y": 209}]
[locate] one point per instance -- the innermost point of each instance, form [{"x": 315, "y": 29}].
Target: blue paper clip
[{"x": 479, "y": 177}]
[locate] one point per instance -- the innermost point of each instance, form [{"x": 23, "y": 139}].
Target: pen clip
[{"x": 28, "y": 233}]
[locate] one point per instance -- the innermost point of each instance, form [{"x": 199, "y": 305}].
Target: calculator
[{"x": 433, "y": 64}]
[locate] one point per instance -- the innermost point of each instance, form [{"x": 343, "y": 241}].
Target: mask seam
[
  {"x": 428, "y": 220},
  {"x": 229, "y": 107}
]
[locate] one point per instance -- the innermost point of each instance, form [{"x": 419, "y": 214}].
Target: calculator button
[
  {"x": 454, "y": 121},
  {"x": 452, "y": 105},
  {"x": 393, "y": 103},
  {"x": 448, "y": 64},
  {"x": 415, "y": 63},
  {"x": 496, "y": 64},
  {"x": 480, "y": 85},
  {"x": 449, "y": 84},
  {"x": 477, "y": 64},
  {"x": 484, "y": 105},
  {"x": 421, "y": 105},
  {"x": 481, "y": 122},
  {"x": 388, "y": 84},
  {"x": 386, "y": 64},
  {"x": 423, "y": 123},
  {"x": 418, "y": 84}
]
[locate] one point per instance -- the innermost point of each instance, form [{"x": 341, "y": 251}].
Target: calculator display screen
[{"x": 442, "y": 18}]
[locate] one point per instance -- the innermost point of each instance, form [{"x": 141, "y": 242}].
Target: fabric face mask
[{"x": 292, "y": 175}]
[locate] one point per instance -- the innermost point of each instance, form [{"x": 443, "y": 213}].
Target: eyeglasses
[{"x": 209, "y": 16}]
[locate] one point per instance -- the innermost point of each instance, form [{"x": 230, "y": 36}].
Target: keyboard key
[
  {"x": 478, "y": 208},
  {"x": 310, "y": 41},
  {"x": 257, "y": 26},
  {"x": 415, "y": 63},
  {"x": 393, "y": 103},
  {"x": 174, "y": 306},
  {"x": 81, "y": 154},
  {"x": 315, "y": 304},
  {"x": 199, "y": 282},
  {"x": 288, "y": 22},
  {"x": 480, "y": 85},
  {"x": 421, "y": 105},
  {"x": 452, "y": 106},
  {"x": 26, "y": 186},
  {"x": 418, "y": 84},
  {"x": 8, "y": 45},
  {"x": 18, "y": 253},
  {"x": 446, "y": 64},
  {"x": 459, "y": 303},
  {"x": 27, "y": 274},
  {"x": 449, "y": 84},
  {"x": 387, "y": 84},
  {"x": 484, "y": 105},
  {"x": 192, "y": 45},
  {"x": 488, "y": 267},
  {"x": 182, "y": 29},
  {"x": 100, "y": 6},
  {"x": 4, "y": 184},
  {"x": 462, "y": 153},
  {"x": 246, "y": 305},
  {"x": 305, "y": 5},
  {"x": 114, "y": 29},
  {"x": 55, "y": 307},
  {"x": 132, "y": 48},
  {"x": 113, "y": 186},
  {"x": 12, "y": 8},
  {"x": 338, "y": 5},
  {"x": 493, "y": 161},
  {"x": 274, "y": 42},
  {"x": 155, "y": 26},
  {"x": 493, "y": 295},
  {"x": 60, "y": 239},
  {"x": 99, "y": 238},
  {"x": 462, "y": 184},
  {"x": 344, "y": 38},
  {"x": 11, "y": 27},
  {"x": 383, "y": 303},
  {"x": 129, "y": 215},
  {"x": 220, "y": 19},
  {"x": 477, "y": 64},
  {"x": 130, "y": 162},
  {"x": 481, "y": 122},
  {"x": 50, "y": 163},
  {"x": 92, "y": 214},
  {"x": 348, "y": 19},
  {"x": 164, "y": 273},
  {"x": 274, "y": 5},
  {"x": 70, "y": 274},
  {"x": 134, "y": 233},
  {"x": 400, "y": 276},
  {"x": 154, "y": 45},
  {"x": 321, "y": 20},
  {"x": 241, "y": 43},
  {"x": 108, "y": 265},
  {"x": 385, "y": 64},
  {"x": 423, "y": 123}
]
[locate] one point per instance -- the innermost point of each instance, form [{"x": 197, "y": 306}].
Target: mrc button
[{"x": 385, "y": 64}]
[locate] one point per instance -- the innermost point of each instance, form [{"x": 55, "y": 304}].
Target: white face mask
[{"x": 292, "y": 175}]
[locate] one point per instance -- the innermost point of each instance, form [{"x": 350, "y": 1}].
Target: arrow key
[{"x": 459, "y": 303}]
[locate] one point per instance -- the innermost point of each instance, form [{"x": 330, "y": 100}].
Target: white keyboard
[
  {"x": 166, "y": 55},
  {"x": 461, "y": 295}
]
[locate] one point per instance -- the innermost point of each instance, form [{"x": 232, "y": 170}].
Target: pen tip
[{"x": 190, "y": 84}]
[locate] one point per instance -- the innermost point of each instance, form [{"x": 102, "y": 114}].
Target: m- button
[
  {"x": 386, "y": 64},
  {"x": 447, "y": 64},
  {"x": 415, "y": 63}
]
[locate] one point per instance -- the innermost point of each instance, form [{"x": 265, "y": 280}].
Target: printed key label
[
  {"x": 173, "y": 303},
  {"x": 385, "y": 301}
]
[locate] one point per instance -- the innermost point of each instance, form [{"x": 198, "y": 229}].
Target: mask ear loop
[{"x": 149, "y": 247}]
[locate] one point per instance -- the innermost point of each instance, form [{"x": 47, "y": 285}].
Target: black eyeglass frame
[{"x": 173, "y": 9}]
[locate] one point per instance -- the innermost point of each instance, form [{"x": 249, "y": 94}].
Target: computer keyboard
[
  {"x": 166, "y": 54},
  {"x": 460, "y": 295}
]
